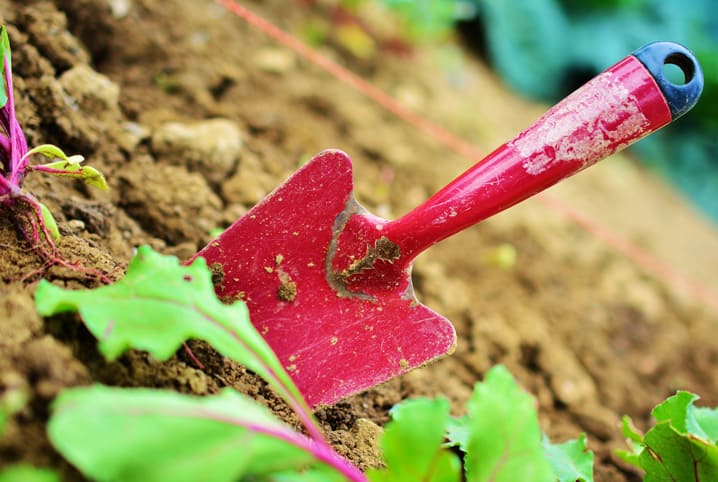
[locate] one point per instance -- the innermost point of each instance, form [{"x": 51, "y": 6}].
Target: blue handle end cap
[{"x": 680, "y": 97}]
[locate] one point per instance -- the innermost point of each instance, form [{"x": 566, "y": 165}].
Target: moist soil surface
[{"x": 194, "y": 116}]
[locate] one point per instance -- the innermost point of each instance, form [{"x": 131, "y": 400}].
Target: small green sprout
[{"x": 37, "y": 223}]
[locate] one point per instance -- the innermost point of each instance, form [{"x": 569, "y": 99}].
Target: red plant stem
[
  {"x": 57, "y": 172},
  {"x": 296, "y": 403},
  {"x": 15, "y": 156},
  {"x": 4, "y": 143},
  {"x": 9, "y": 189},
  {"x": 322, "y": 452},
  {"x": 35, "y": 206},
  {"x": 192, "y": 356},
  {"x": 48, "y": 250}
]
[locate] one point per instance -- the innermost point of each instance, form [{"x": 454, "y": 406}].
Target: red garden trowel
[{"x": 329, "y": 285}]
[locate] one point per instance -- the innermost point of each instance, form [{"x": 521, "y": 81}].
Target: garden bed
[{"x": 194, "y": 116}]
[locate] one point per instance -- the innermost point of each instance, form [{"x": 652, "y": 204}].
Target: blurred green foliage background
[{"x": 546, "y": 48}]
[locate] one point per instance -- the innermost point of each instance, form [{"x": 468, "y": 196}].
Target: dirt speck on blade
[
  {"x": 217, "y": 274},
  {"x": 287, "y": 291},
  {"x": 584, "y": 329},
  {"x": 383, "y": 250}
]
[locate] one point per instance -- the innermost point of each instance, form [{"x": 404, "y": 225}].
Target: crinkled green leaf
[
  {"x": 50, "y": 222},
  {"x": 157, "y": 306},
  {"x": 28, "y": 473},
  {"x": 114, "y": 434},
  {"x": 629, "y": 431},
  {"x": 412, "y": 444},
  {"x": 571, "y": 461},
  {"x": 634, "y": 440},
  {"x": 686, "y": 418},
  {"x": 707, "y": 419},
  {"x": 505, "y": 440},
  {"x": 675, "y": 410},
  {"x": 681, "y": 446},
  {"x": 671, "y": 456}
]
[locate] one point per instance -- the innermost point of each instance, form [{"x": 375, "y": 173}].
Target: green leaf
[
  {"x": 629, "y": 431},
  {"x": 457, "y": 432},
  {"x": 215, "y": 232},
  {"x": 681, "y": 413},
  {"x": 571, "y": 461},
  {"x": 505, "y": 440},
  {"x": 114, "y": 434},
  {"x": 5, "y": 55},
  {"x": 681, "y": 446},
  {"x": 634, "y": 440},
  {"x": 52, "y": 152},
  {"x": 28, "y": 473},
  {"x": 707, "y": 419},
  {"x": 68, "y": 166},
  {"x": 675, "y": 410},
  {"x": 157, "y": 306},
  {"x": 50, "y": 222},
  {"x": 671, "y": 456},
  {"x": 5, "y": 44},
  {"x": 412, "y": 444},
  {"x": 89, "y": 175},
  {"x": 3, "y": 420},
  {"x": 318, "y": 474}
]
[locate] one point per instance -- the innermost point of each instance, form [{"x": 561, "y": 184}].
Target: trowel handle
[{"x": 613, "y": 110}]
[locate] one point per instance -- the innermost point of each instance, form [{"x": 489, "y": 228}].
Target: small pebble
[
  {"x": 275, "y": 61},
  {"x": 120, "y": 8},
  {"x": 211, "y": 146},
  {"x": 76, "y": 225}
]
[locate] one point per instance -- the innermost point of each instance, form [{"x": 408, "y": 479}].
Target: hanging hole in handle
[
  {"x": 659, "y": 58},
  {"x": 678, "y": 69}
]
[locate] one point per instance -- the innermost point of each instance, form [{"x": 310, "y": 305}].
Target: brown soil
[{"x": 583, "y": 328}]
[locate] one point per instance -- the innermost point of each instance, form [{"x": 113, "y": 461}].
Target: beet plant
[
  {"x": 144, "y": 434},
  {"x": 34, "y": 219}
]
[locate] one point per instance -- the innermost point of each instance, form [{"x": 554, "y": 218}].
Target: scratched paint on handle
[{"x": 594, "y": 122}]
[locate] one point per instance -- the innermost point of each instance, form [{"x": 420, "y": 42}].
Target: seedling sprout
[{"x": 35, "y": 221}]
